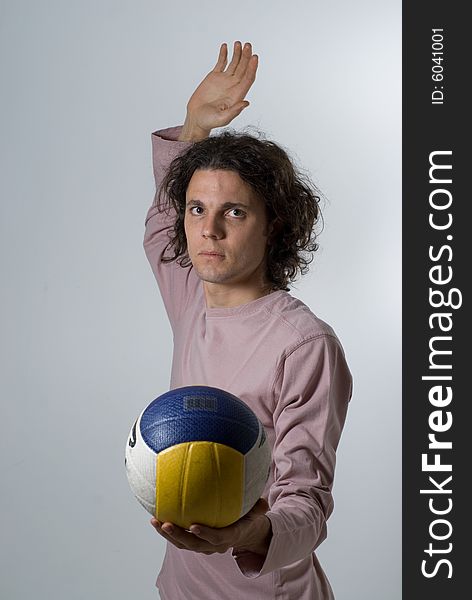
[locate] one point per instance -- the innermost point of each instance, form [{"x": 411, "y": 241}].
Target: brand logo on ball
[{"x": 200, "y": 403}]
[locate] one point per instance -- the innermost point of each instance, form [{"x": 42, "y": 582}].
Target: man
[{"x": 229, "y": 229}]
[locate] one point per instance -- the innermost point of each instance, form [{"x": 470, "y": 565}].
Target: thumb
[
  {"x": 236, "y": 109},
  {"x": 261, "y": 506}
]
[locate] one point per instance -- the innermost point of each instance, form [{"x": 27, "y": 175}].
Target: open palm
[{"x": 220, "y": 96}]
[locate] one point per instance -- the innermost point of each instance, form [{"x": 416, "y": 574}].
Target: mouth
[{"x": 211, "y": 254}]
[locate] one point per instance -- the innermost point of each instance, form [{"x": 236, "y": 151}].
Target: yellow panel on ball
[{"x": 199, "y": 482}]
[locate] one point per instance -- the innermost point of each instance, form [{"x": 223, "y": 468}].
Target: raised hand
[{"x": 220, "y": 96}]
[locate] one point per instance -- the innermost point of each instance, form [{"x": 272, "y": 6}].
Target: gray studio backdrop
[{"x": 85, "y": 344}]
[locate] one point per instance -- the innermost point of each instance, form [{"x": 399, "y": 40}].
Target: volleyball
[{"x": 197, "y": 454}]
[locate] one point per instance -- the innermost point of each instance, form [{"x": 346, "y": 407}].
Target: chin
[{"x": 213, "y": 277}]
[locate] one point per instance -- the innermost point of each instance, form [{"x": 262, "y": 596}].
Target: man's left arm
[{"x": 313, "y": 386}]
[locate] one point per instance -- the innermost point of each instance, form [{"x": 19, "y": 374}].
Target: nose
[{"x": 211, "y": 228}]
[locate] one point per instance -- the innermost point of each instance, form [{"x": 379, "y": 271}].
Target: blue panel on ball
[{"x": 199, "y": 413}]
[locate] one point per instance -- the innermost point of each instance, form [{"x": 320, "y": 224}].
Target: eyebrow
[{"x": 223, "y": 206}]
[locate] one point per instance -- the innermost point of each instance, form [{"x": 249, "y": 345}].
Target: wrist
[
  {"x": 261, "y": 539},
  {"x": 192, "y": 132},
  {"x": 266, "y": 536}
]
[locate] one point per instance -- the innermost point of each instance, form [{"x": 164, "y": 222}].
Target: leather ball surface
[{"x": 197, "y": 454}]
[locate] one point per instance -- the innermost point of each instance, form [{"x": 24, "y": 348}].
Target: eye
[
  {"x": 237, "y": 212},
  {"x": 193, "y": 210}
]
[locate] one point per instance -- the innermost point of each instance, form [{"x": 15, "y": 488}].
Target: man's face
[{"x": 226, "y": 228}]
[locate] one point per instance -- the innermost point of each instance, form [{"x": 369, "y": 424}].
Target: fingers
[
  {"x": 169, "y": 536},
  {"x": 237, "y": 51},
  {"x": 186, "y": 540},
  {"x": 249, "y": 77},
  {"x": 222, "y": 58},
  {"x": 243, "y": 63}
]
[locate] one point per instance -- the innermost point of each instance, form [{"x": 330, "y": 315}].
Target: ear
[{"x": 274, "y": 227}]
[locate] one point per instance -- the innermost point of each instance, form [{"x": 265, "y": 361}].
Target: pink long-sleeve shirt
[{"x": 289, "y": 367}]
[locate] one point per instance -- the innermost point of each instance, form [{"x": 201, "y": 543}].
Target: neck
[{"x": 228, "y": 296}]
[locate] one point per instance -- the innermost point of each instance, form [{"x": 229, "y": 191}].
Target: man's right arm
[
  {"x": 217, "y": 100},
  {"x": 171, "y": 278}
]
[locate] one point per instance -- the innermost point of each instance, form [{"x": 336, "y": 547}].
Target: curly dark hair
[{"x": 291, "y": 198}]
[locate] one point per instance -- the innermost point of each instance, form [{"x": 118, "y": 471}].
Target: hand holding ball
[{"x": 197, "y": 454}]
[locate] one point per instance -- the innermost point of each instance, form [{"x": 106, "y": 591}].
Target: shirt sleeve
[
  {"x": 175, "y": 282},
  {"x": 313, "y": 386}
]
